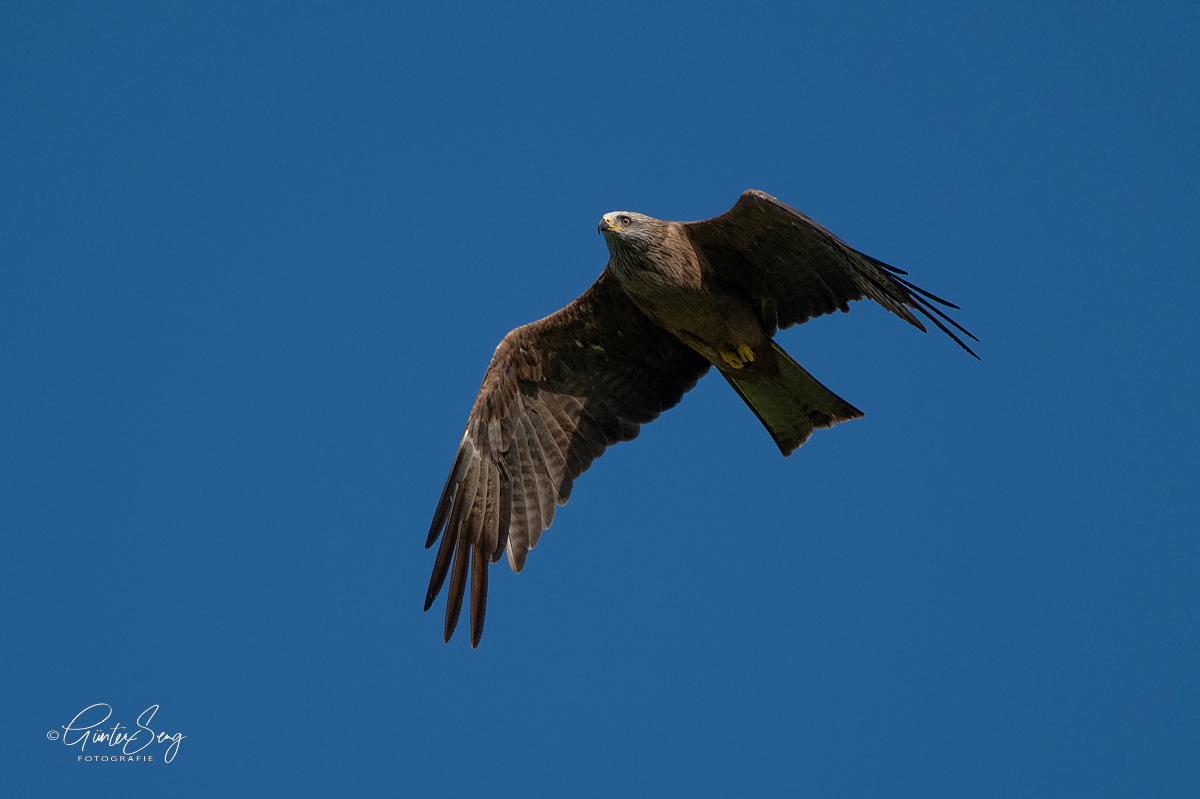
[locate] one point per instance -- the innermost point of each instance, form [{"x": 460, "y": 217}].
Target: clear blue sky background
[{"x": 254, "y": 259}]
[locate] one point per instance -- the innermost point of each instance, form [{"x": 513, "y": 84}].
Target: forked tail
[{"x": 791, "y": 404}]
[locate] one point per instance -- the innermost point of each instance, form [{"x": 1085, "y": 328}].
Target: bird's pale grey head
[{"x": 628, "y": 230}]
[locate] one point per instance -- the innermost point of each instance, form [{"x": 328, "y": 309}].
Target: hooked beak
[{"x": 606, "y": 224}]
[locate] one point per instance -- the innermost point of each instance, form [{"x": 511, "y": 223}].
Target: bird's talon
[
  {"x": 745, "y": 353},
  {"x": 733, "y": 360}
]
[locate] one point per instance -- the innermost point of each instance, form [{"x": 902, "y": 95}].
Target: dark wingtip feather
[
  {"x": 505, "y": 520},
  {"x": 479, "y": 587},
  {"x": 441, "y": 565},
  {"x": 446, "y": 499},
  {"x": 439, "y": 518},
  {"x": 920, "y": 301},
  {"x": 928, "y": 294},
  {"x": 960, "y": 328},
  {"x": 922, "y": 308},
  {"x": 458, "y": 580},
  {"x": 893, "y": 269}
]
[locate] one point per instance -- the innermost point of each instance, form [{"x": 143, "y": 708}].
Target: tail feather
[{"x": 791, "y": 403}]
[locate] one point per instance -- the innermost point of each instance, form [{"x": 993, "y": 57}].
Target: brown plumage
[{"x": 675, "y": 298}]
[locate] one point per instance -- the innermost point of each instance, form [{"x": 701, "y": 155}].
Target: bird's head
[{"x": 623, "y": 229}]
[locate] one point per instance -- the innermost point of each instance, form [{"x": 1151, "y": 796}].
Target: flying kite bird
[{"x": 674, "y": 299}]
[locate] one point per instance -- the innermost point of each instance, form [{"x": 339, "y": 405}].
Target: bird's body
[
  {"x": 671, "y": 282},
  {"x": 680, "y": 295},
  {"x": 675, "y": 298}
]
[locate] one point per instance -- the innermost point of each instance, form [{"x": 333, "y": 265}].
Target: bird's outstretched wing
[
  {"x": 557, "y": 393},
  {"x": 792, "y": 269}
]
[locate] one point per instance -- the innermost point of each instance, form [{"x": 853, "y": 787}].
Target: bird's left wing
[
  {"x": 556, "y": 394},
  {"x": 792, "y": 269}
]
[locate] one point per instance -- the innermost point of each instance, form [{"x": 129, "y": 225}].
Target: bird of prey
[{"x": 674, "y": 299}]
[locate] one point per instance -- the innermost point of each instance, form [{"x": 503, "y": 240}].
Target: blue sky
[{"x": 254, "y": 259}]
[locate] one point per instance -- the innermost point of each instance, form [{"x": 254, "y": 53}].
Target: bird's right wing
[{"x": 557, "y": 393}]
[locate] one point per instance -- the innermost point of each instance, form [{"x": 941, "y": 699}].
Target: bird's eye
[{"x": 624, "y": 220}]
